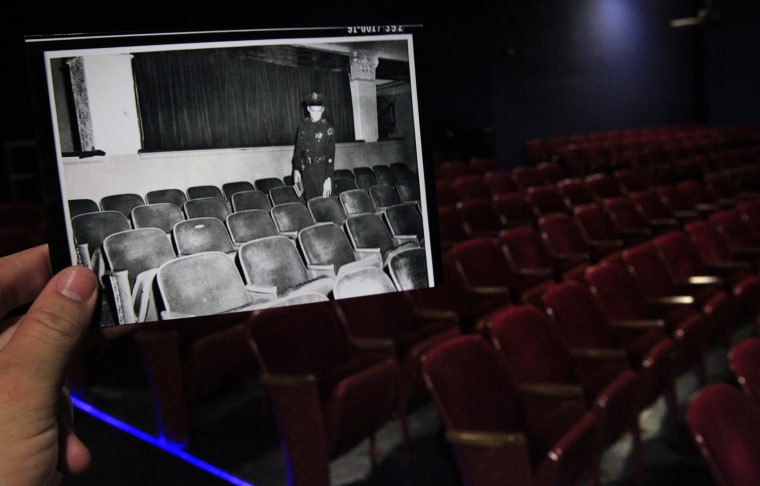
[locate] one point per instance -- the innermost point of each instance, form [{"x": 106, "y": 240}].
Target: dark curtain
[{"x": 204, "y": 99}]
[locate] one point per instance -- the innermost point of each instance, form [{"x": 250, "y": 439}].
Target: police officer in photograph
[{"x": 314, "y": 153}]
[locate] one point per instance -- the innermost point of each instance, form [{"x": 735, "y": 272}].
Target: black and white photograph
[{"x": 207, "y": 173}]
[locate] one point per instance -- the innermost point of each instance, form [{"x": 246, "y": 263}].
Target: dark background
[{"x": 498, "y": 72}]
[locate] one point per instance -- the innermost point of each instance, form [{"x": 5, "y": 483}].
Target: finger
[
  {"x": 73, "y": 456},
  {"x": 55, "y": 324},
  {"x": 22, "y": 276}
]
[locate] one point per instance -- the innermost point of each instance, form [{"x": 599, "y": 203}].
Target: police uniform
[{"x": 314, "y": 152}]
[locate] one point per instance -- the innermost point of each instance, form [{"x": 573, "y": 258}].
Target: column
[{"x": 364, "y": 96}]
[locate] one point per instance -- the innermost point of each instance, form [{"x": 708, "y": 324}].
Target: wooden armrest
[
  {"x": 373, "y": 344},
  {"x": 552, "y": 390},
  {"x": 574, "y": 256},
  {"x": 639, "y": 324},
  {"x": 437, "y": 314},
  {"x": 274, "y": 379},
  {"x": 479, "y": 438},
  {"x": 605, "y": 243},
  {"x": 704, "y": 280},
  {"x": 536, "y": 272},
  {"x": 599, "y": 354},
  {"x": 483, "y": 291},
  {"x": 673, "y": 300}
]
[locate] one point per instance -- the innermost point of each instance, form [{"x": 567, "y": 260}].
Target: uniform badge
[
  {"x": 330, "y": 131},
  {"x": 318, "y": 136}
]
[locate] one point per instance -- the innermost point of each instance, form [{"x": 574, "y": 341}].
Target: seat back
[
  {"x": 384, "y": 174},
  {"x": 616, "y": 288},
  {"x": 603, "y": 185},
  {"x": 356, "y": 201},
  {"x": 367, "y": 231},
  {"x": 725, "y": 424},
  {"x": 136, "y": 251},
  {"x": 364, "y": 180},
  {"x": 479, "y": 217},
  {"x": 158, "y": 215},
  {"x": 409, "y": 190},
  {"x": 547, "y": 200},
  {"x": 284, "y": 194},
  {"x": 680, "y": 255},
  {"x": 206, "y": 207},
  {"x": 201, "y": 284},
  {"x": 744, "y": 363},
  {"x": 500, "y": 182},
  {"x": 291, "y": 217},
  {"x": 92, "y": 228},
  {"x": 527, "y": 176},
  {"x": 404, "y": 221},
  {"x": 408, "y": 269},
  {"x": 343, "y": 184},
  {"x": 711, "y": 243},
  {"x": 563, "y": 234},
  {"x": 650, "y": 271},
  {"x": 325, "y": 244},
  {"x": 205, "y": 190},
  {"x": 124, "y": 203},
  {"x": 81, "y": 206},
  {"x": 472, "y": 187},
  {"x": 576, "y": 192},
  {"x": 326, "y": 209},
  {"x": 250, "y": 224},
  {"x": 384, "y": 195},
  {"x": 272, "y": 261},
  {"x": 254, "y": 199},
  {"x": 361, "y": 281},
  {"x": 578, "y": 315},
  {"x": 264, "y": 184},
  {"x": 198, "y": 235},
  {"x": 230, "y": 188},
  {"x": 514, "y": 209},
  {"x": 736, "y": 230},
  {"x": 170, "y": 195}
]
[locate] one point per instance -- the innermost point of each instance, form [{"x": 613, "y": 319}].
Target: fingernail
[{"x": 76, "y": 283}]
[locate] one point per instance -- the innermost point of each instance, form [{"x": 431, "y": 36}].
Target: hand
[
  {"x": 38, "y": 444},
  {"x": 327, "y": 187},
  {"x": 296, "y": 176}
]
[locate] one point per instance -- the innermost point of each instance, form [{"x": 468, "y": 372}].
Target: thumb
[{"x": 55, "y": 324}]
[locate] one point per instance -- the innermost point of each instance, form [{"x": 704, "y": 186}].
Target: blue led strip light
[{"x": 165, "y": 446}]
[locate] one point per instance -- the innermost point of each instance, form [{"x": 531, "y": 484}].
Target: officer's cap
[{"x": 314, "y": 99}]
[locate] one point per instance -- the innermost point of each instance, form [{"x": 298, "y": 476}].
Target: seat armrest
[
  {"x": 639, "y": 324},
  {"x": 552, "y": 390},
  {"x": 481, "y": 438},
  {"x": 599, "y": 354},
  {"x": 283, "y": 380}
]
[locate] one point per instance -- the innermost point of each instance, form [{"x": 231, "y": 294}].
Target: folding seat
[
  {"x": 348, "y": 173},
  {"x": 544, "y": 368},
  {"x": 198, "y": 235},
  {"x": 566, "y": 238},
  {"x": 405, "y": 222},
  {"x": 603, "y": 185},
  {"x": 551, "y": 172},
  {"x": 530, "y": 255},
  {"x": 547, "y": 200},
  {"x": 697, "y": 194},
  {"x": 446, "y": 194},
  {"x": 202, "y": 284},
  {"x": 659, "y": 217},
  {"x": 384, "y": 174},
  {"x": 204, "y": 190},
  {"x": 485, "y": 275},
  {"x": 81, "y": 206},
  {"x": 686, "y": 264},
  {"x": 750, "y": 212},
  {"x": 384, "y": 195},
  {"x": 158, "y": 215},
  {"x": 450, "y": 227},
  {"x": 264, "y": 184},
  {"x": 451, "y": 169},
  {"x": 739, "y": 234},
  {"x": 362, "y": 281},
  {"x": 472, "y": 187},
  {"x": 485, "y": 421},
  {"x": 576, "y": 192},
  {"x": 624, "y": 303},
  {"x": 284, "y": 194},
  {"x": 273, "y": 267},
  {"x": 655, "y": 281},
  {"x": 364, "y": 180},
  {"x": 406, "y": 175},
  {"x": 390, "y": 319},
  {"x": 291, "y": 217},
  {"x": 408, "y": 269},
  {"x": 170, "y": 195},
  {"x": 327, "y": 395},
  {"x": 90, "y": 229},
  {"x": 479, "y": 218},
  {"x": 124, "y": 203},
  {"x": 206, "y": 207},
  {"x": 132, "y": 258},
  {"x": 369, "y": 235},
  {"x": 599, "y": 227},
  {"x": 343, "y": 184},
  {"x": 230, "y": 188},
  {"x": 409, "y": 190},
  {"x": 514, "y": 209},
  {"x": 681, "y": 207},
  {"x": 500, "y": 182},
  {"x": 628, "y": 221},
  {"x": 250, "y": 224},
  {"x": 325, "y": 248},
  {"x": 715, "y": 251},
  {"x": 245, "y": 200},
  {"x": 725, "y": 425},
  {"x": 481, "y": 165},
  {"x": 631, "y": 180},
  {"x": 744, "y": 363},
  {"x": 527, "y": 176},
  {"x": 325, "y": 209},
  {"x": 583, "y": 325},
  {"x": 356, "y": 201}
]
